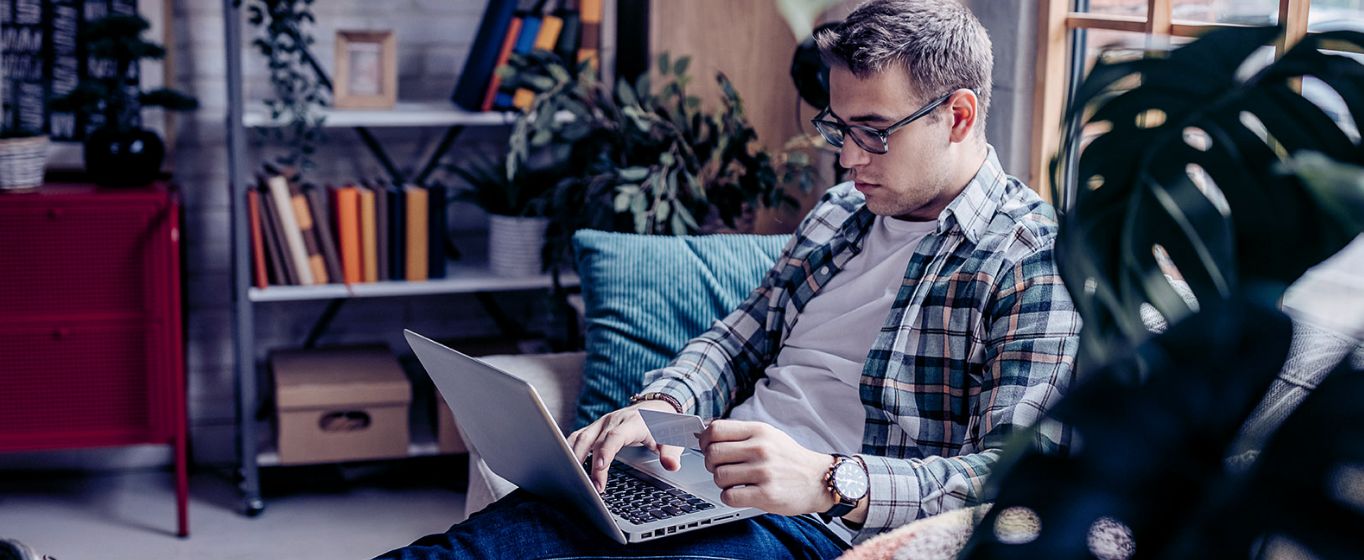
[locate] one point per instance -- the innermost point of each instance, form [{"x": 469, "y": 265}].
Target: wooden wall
[{"x": 750, "y": 42}]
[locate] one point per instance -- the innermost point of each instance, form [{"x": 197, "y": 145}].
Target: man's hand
[
  {"x": 759, "y": 466},
  {"x": 604, "y": 438}
]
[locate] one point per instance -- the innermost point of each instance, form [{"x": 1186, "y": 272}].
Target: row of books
[
  {"x": 570, "y": 28},
  {"x": 351, "y": 234}
]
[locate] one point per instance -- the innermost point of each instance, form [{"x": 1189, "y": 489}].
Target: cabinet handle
[{"x": 54, "y": 213}]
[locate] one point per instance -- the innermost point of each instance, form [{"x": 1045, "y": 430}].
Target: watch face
[{"x": 850, "y": 480}]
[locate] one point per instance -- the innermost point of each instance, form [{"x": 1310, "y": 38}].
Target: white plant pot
[
  {"x": 22, "y": 162},
  {"x": 515, "y": 244}
]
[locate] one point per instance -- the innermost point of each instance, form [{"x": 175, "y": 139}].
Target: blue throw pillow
[{"x": 647, "y": 295}]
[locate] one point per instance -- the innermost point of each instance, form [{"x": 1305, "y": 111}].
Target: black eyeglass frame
[{"x": 882, "y": 133}]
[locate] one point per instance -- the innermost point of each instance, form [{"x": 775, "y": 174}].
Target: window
[
  {"x": 1068, "y": 27},
  {"x": 1329, "y": 15}
]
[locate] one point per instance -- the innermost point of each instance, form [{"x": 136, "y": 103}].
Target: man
[{"x": 913, "y": 323}]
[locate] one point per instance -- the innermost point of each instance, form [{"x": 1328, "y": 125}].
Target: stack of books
[
  {"x": 370, "y": 232},
  {"x": 568, "y": 28}
]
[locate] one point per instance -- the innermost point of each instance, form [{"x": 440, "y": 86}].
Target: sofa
[{"x": 559, "y": 378}]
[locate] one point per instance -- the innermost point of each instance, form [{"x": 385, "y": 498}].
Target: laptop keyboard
[{"x": 642, "y": 500}]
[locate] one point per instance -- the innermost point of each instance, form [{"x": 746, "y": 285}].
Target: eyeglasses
[{"x": 873, "y": 140}]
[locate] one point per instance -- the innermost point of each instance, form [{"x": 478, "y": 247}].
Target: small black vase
[{"x": 123, "y": 157}]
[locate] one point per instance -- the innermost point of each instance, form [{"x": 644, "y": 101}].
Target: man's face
[{"x": 912, "y": 180}]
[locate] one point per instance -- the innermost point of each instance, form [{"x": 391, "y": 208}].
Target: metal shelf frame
[{"x": 462, "y": 277}]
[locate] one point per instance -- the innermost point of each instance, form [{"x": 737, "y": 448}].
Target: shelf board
[
  {"x": 268, "y": 456},
  {"x": 460, "y": 278},
  {"x": 403, "y": 114}
]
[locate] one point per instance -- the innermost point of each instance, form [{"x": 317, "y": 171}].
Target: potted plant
[
  {"x": 23, "y": 158},
  {"x": 1199, "y": 197},
  {"x": 301, "y": 87},
  {"x": 637, "y": 159},
  {"x": 517, "y": 212},
  {"x": 120, "y": 152}
]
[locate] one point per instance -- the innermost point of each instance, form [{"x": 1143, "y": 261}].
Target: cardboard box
[
  {"x": 448, "y": 438},
  {"x": 340, "y": 404}
]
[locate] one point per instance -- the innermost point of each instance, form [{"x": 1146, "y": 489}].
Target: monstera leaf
[
  {"x": 1304, "y": 497},
  {"x": 1144, "y": 461},
  {"x": 1200, "y": 195},
  {"x": 1187, "y": 162}
]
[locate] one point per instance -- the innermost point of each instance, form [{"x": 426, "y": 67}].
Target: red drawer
[
  {"x": 82, "y": 258},
  {"x": 73, "y": 385},
  {"x": 64, "y": 258}
]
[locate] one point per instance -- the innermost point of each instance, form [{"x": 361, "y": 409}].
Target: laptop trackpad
[{"x": 693, "y": 471}]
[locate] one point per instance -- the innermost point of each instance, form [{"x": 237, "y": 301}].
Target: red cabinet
[{"x": 91, "y": 349}]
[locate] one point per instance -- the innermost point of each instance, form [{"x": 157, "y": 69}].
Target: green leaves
[
  {"x": 1337, "y": 187},
  {"x": 634, "y": 174},
  {"x": 1194, "y": 163},
  {"x": 486, "y": 183},
  {"x": 117, "y": 39},
  {"x": 300, "y": 91},
  {"x": 639, "y": 156},
  {"x": 680, "y": 69}
]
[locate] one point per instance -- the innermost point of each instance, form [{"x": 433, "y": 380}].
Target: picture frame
[{"x": 366, "y": 74}]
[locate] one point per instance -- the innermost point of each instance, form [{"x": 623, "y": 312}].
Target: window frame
[{"x": 1057, "y": 75}]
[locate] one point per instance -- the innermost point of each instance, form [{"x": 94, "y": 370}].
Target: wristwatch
[{"x": 847, "y": 480}]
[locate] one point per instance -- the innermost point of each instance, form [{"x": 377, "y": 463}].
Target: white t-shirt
[{"x": 812, "y": 392}]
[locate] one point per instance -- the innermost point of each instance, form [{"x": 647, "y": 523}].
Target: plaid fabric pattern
[{"x": 980, "y": 341}]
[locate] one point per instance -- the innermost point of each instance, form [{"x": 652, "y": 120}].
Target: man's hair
[{"x": 942, "y": 46}]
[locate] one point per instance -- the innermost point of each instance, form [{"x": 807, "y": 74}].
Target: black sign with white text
[{"x": 44, "y": 58}]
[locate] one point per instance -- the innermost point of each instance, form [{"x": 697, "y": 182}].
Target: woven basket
[{"x": 22, "y": 161}]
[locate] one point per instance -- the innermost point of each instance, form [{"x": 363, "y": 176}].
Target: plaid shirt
[{"x": 979, "y": 342}]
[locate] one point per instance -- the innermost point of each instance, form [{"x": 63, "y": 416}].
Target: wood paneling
[
  {"x": 1049, "y": 92},
  {"x": 750, "y": 42},
  {"x": 1293, "y": 15}
]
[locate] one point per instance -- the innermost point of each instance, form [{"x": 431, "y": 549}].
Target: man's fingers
[
  {"x": 728, "y": 430},
  {"x": 605, "y": 452},
  {"x": 581, "y": 441},
  {"x": 742, "y": 496},
  {"x": 729, "y": 476},
  {"x": 725, "y": 453},
  {"x": 670, "y": 456}
]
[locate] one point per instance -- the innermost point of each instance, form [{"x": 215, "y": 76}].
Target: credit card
[{"x": 669, "y": 428}]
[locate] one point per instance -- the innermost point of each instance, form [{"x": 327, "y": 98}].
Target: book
[
  {"x": 303, "y": 214},
  {"x": 293, "y": 236},
  {"x": 482, "y": 59},
  {"x": 504, "y": 55},
  {"x": 317, "y": 201},
  {"x": 346, "y": 208},
  {"x": 418, "y": 233},
  {"x": 545, "y": 40},
  {"x": 525, "y": 42},
  {"x": 589, "y": 39},
  {"x": 438, "y": 225},
  {"x": 253, "y": 211},
  {"x": 382, "y": 230},
  {"x": 368, "y": 249},
  {"x": 570, "y": 37},
  {"x": 397, "y": 245},
  {"x": 280, "y": 262}
]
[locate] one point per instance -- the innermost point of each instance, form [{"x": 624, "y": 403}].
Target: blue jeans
[{"x": 522, "y": 526}]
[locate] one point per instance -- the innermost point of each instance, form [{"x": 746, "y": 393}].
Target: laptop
[{"x": 502, "y": 417}]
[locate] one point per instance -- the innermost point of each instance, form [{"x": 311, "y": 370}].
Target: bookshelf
[
  {"x": 461, "y": 277},
  {"x": 403, "y": 114},
  {"x": 470, "y": 275}
]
